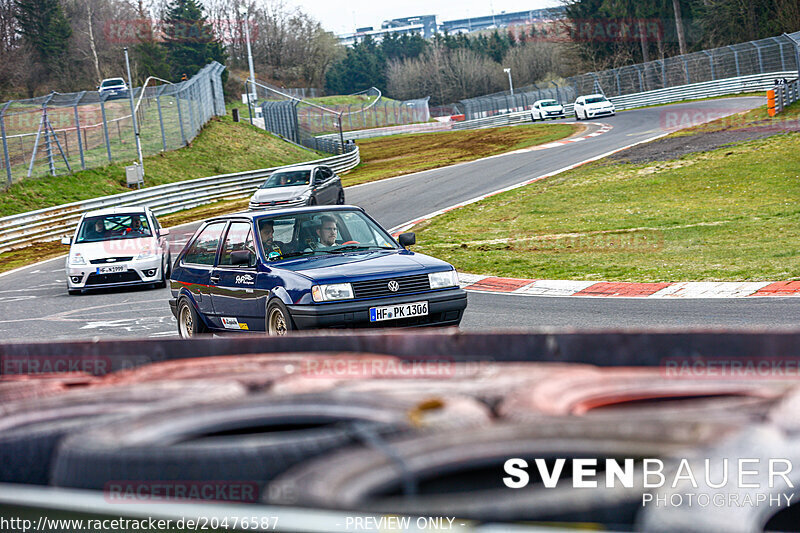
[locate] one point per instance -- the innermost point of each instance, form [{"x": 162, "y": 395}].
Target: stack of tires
[{"x": 379, "y": 434}]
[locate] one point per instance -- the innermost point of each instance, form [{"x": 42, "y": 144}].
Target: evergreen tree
[
  {"x": 148, "y": 53},
  {"x": 44, "y": 26},
  {"x": 189, "y": 40}
]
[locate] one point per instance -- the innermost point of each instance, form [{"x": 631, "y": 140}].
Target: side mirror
[
  {"x": 241, "y": 257},
  {"x": 407, "y": 239},
  {"x": 163, "y": 232},
  {"x": 66, "y": 240}
]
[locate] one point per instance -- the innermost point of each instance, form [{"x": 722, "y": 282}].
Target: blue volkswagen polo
[{"x": 307, "y": 268}]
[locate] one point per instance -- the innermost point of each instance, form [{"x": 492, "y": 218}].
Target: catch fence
[
  {"x": 61, "y": 133},
  {"x": 765, "y": 56}
]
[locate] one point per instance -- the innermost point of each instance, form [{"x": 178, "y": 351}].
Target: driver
[
  {"x": 272, "y": 248},
  {"x": 326, "y": 233},
  {"x": 136, "y": 225},
  {"x": 97, "y": 231}
]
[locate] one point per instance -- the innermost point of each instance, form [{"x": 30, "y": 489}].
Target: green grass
[
  {"x": 356, "y": 100},
  {"x": 385, "y": 157},
  {"x": 739, "y": 95},
  {"x": 729, "y": 214},
  {"x": 758, "y": 116},
  {"x": 221, "y": 147}
]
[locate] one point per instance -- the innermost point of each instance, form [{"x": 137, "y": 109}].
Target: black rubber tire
[
  {"x": 31, "y": 429},
  {"x": 576, "y": 116},
  {"x": 195, "y": 325},
  {"x": 460, "y": 473},
  {"x": 278, "y": 314},
  {"x": 312, "y": 201},
  {"x": 74, "y": 292},
  {"x": 340, "y": 198},
  {"x": 247, "y": 440}
]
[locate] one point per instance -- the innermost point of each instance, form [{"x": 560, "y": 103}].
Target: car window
[
  {"x": 114, "y": 227},
  {"x": 595, "y": 100},
  {"x": 112, "y": 82},
  {"x": 239, "y": 237},
  {"x": 203, "y": 250},
  {"x": 548, "y": 103},
  {"x": 288, "y": 178},
  {"x": 321, "y": 232}
]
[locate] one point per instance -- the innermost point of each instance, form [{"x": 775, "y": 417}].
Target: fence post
[
  {"x": 686, "y": 70},
  {"x": 710, "y": 63},
  {"x": 619, "y": 83},
  {"x": 78, "y": 129},
  {"x": 161, "y": 120},
  {"x": 180, "y": 116},
  {"x": 780, "y": 51},
  {"x": 105, "y": 127},
  {"x": 760, "y": 60},
  {"x": 5, "y": 142},
  {"x": 736, "y": 60}
]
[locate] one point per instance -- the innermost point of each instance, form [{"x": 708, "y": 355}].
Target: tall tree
[
  {"x": 44, "y": 26},
  {"x": 150, "y": 56},
  {"x": 189, "y": 39}
]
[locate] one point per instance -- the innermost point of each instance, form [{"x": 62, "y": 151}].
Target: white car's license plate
[
  {"x": 393, "y": 312},
  {"x": 112, "y": 269}
]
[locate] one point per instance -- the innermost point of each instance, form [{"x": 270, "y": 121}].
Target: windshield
[
  {"x": 596, "y": 100},
  {"x": 291, "y": 178},
  {"x": 112, "y": 82},
  {"x": 549, "y": 103},
  {"x": 321, "y": 233},
  {"x": 114, "y": 227}
]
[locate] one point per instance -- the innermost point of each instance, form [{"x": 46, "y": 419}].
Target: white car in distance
[
  {"x": 592, "y": 106},
  {"x": 544, "y": 109},
  {"x": 117, "y": 247}
]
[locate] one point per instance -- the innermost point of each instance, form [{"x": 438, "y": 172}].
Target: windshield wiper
[{"x": 356, "y": 247}]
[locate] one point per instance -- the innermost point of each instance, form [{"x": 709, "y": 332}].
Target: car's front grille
[
  {"x": 279, "y": 204},
  {"x": 380, "y": 287},
  {"x": 110, "y": 260},
  {"x": 117, "y": 277}
]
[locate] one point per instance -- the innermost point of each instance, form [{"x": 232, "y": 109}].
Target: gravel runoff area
[{"x": 669, "y": 148}]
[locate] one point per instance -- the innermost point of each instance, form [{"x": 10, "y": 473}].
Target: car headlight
[
  {"x": 440, "y": 280},
  {"x": 77, "y": 259},
  {"x": 149, "y": 254},
  {"x": 336, "y": 291},
  {"x": 304, "y": 196}
]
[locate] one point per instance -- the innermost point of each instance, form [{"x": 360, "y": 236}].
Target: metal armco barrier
[
  {"x": 784, "y": 94},
  {"x": 606, "y": 349},
  {"x": 54, "y": 222}
]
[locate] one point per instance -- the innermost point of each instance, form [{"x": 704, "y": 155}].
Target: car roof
[
  {"x": 298, "y": 167},
  {"x": 257, "y": 215},
  {"x": 598, "y": 95},
  {"x": 134, "y": 209}
]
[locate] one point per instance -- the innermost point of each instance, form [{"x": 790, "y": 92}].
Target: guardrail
[
  {"x": 784, "y": 94},
  {"x": 52, "y": 223}
]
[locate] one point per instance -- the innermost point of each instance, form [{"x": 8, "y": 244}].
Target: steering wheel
[{"x": 350, "y": 242}]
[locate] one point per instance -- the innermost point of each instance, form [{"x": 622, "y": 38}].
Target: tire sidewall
[{"x": 275, "y": 304}]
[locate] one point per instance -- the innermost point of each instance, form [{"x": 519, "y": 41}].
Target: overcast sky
[{"x": 339, "y": 16}]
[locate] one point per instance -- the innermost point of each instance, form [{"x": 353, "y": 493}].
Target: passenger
[{"x": 272, "y": 248}]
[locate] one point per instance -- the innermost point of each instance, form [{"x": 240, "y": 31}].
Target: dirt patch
[{"x": 670, "y": 148}]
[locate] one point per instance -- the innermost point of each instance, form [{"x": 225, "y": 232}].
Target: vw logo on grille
[{"x": 393, "y": 286}]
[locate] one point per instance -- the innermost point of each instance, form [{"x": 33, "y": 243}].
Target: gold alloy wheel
[{"x": 277, "y": 322}]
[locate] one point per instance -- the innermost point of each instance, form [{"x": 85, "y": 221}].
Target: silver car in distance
[{"x": 299, "y": 186}]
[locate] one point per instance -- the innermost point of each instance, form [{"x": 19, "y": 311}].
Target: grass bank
[
  {"x": 395, "y": 155},
  {"x": 726, "y": 215},
  {"x": 222, "y": 146}
]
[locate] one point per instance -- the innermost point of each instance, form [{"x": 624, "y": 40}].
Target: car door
[
  {"x": 334, "y": 184},
  {"x": 238, "y": 302},
  {"x": 197, "y": 266},
  {"x": 323, "y": 186}
]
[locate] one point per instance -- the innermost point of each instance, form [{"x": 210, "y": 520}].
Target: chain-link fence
[
  {"x": 302, "y": 121},
  {"x": 61, "y": 133},
  {"x": 775, "y": 54}
]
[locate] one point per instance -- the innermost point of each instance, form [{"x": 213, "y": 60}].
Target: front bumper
[
  {"x": 278, "y": 204},
  {"x": 86, "y": 276},
  {"x": 601, "y": 113},
  {"x": 445, "y": 308}
]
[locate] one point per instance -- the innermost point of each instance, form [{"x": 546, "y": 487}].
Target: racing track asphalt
[{"x": 34, "y": 304}]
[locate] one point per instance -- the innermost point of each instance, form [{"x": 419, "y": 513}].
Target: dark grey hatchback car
[{"x": 299, "y": 186}]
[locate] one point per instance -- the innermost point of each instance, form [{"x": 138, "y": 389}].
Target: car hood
[
  {"x": 552, "y": 107},
  {"x": 364, "y": 265},
  {"x": 278, "y": 193},
  {"x": 599, "y": 105},
  {"x": 115, "y": 248}
]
